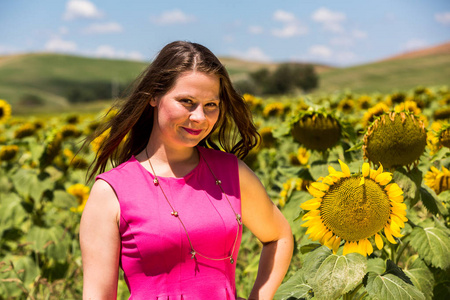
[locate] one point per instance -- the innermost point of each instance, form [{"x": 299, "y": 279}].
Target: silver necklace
[{"x": 175, "y": 213}]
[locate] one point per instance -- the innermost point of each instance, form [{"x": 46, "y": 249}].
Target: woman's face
[{"x": 187, "y": 113}]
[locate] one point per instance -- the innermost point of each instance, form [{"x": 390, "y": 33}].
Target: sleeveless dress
[{"x": 155, "y": 253}]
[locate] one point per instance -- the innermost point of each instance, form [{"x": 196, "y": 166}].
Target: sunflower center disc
[{"x": 355, "y": 212}]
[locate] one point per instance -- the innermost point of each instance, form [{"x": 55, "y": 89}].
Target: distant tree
[
  {"x": 286, "y": 78},
  {"x": 31, "y": 100}
]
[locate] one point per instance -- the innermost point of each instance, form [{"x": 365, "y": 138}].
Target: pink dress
[{"x": 155, "y": 252}]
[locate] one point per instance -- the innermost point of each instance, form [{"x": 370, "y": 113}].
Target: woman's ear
[{"x": 153, "y": 102}]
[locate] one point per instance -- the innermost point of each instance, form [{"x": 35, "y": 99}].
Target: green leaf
[
  {"x": 421, "y": 277},
  {"x": 295, "y": 288},
  {"x": 31, "y": 183},
  {"x": 338, "y": 274},
  {"x": 313, "y": 260},
  {"x": 431, "y": 201},
  {"x": 62, "y": 199},
  {"x": 376, "y": 265},
  {"x": 389, "y": 286},
  {"x": 12, "y": 212},
  {"x": 309, "y": 247},
  {"x": 409, "y": 182},
  {"x": 392, "y": 268},
  {"x": 433, "y": 245}
]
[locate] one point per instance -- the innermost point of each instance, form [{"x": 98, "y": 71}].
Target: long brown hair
[{"x": 235, "y": 131}]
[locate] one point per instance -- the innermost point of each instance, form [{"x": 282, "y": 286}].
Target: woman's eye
[{"x": 186, "y": 101}]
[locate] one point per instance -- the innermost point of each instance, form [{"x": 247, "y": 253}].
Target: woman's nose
[{"x": 197, "y": 114}]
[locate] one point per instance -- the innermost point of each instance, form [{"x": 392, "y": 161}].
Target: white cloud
[
  {"x": 443, "y": 18},
  {"x": 255, "y": 29},
  {"x": 284, "y": 16},
  {"x": 175, "y": 16},
  {"x": 228, "y": 38},
  {"x": 111, "y": 27},
  {"x": 63, "y": 30},
  {"x": 289, "y": 30},
  {"x": 253, "y": 54},
  {"x": 84, "y": 9},
  {"x": 107, "y": 51},
  {"x": 320, "y": 51},
  {"x": 331, "y": 21},
  {"x": 292, "y": 26},
  {"x": 359, "y": 34},
  {"x": 415, "y": 44},
  {"x": 56, "y": 44}
]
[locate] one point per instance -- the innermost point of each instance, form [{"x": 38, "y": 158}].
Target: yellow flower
[
  {"x": 5, "y": 111},
  {"x": 273, "y": 109},
  {"x": 303, "y": 155},
  {"x": 267, "y": 138},
  {"x": 364, "y": 101},
  {"x": 288, "y": 187},
  {"x": 352, "y": 209},
  {"x": 437, "y": 180},
  {"x": 377, "y": 110},
  {"x": 8, "y": 152},
  {"x": 97, "y": 142},
  {"x": 25, "y": 130},
  {"x": 81, "y": 193},
  {"x": 346, "y": 105},
  {"x": 408, "y": 106},
  {"x": 252, "y": 101}
]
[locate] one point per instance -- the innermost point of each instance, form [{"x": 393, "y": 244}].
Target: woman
[{"x": 170, "y": 212}]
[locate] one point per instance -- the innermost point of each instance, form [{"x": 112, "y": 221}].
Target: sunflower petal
[
  {"x": 328, "y": 180},
  {"x": 345, "y": 169},
  {"x": 398, "y": 199},
  {"x": 383, "y": 178},
  {"x": 388, "y": 234},
  {"x": 315, "y": 192},
  {"x": 362, "y": 181},
  {"x": 326, "y": 237},
  {"x": 336, "y": 244},
  {"x": 346, "y": 248},
  {"x": 365, "y": 169},
  {"x": 379, "y": 241},
  {"x": 397, "y": 220},
  {"x": 369, "y": 247},
  {"x": 320, "y": 186},
  {"x": 361, "y": 248},
  {"x": 311, "y": 204}
]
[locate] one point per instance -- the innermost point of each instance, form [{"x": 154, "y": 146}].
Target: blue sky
[{"x": 339, "y": 33}]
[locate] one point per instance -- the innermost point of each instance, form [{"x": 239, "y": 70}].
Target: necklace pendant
[
  {"x": 174, "y": 213},
  {"x": 155, "y": 181},
  {"x": 218, "y": 182},
  {"x": 238, "y": 219},
  {"x": 231, "y": 260},
  {"x": 193, "y": 254}
]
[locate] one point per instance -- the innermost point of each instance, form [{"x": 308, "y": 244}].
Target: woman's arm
[
  {"x": 100, "y": 243},
  {"x": 268, "y": 224}
]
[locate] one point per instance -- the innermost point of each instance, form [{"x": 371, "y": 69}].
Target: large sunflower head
[
  {"x": 316, "y": 130},
  {"x": 395, "y": 139},
  {"x": 5, "y": 111},
  {"x": 439, "y": 181},
  {"x": 354, "y": 208}
]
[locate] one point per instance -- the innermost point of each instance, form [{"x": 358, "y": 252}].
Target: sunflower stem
[
  {"x": 411, "y": 223},
  {"x": 392, "y": 256},
  {"x": 362, "y": 295},
  {"x": 354, "y": 291},
  {"x": 385, "y": 252},
  {"x": 400, "y": 253}
]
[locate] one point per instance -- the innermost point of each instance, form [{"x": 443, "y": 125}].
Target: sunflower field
[{"x": 364, "y": 180}]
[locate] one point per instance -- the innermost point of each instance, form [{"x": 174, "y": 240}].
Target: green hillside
[
  {"x": 46, "y": 82},
  {"x": 388, "y": 76}
]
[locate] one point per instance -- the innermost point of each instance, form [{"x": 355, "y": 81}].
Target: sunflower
[
  {"x": 444, "y": 135},
  {"x": 409, "y": 106},
  {"x": 70, "y": 130},
  {"x": 352, "y": 209},
  {"x": 5, "y": 111},
  {"x": 24, "y": 130},
  {"x": 346, "y": 105},
  {"x": 316, "y": 130},
  {"x": 289, "y": 186},
  {"x": 395, "y": 139},
  {"x": 433, "y": 138},
  {"x": 8, "y": 152},
  {"x": 81, "y": 193},
  {"x": 253, "y": 102},
  {"x": 303, "y": 155},
  {"x": 274, "y": 109},
  {"x": 377, "y": 110},
  {"x": 442, "y": 113},
  {"x": 437, "y": 180},
  {"x": 267, "y": 138},
  {"x": 364, "y": 101}
]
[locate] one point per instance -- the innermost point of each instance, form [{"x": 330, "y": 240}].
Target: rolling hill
[{"x": 43, "y": 81}]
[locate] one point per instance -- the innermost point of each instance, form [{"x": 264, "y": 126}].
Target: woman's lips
[{"x": 193, "y": 131}]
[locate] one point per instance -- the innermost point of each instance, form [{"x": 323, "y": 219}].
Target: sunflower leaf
[
  {"x": 389, "y": 287},
  {"x": 338, "y": 274},
  {"x": 392, "y": 268},
  {"x": 421, "y": 277},
  {"x": 431, "y": 202},
  {"x": 433, "y": 245},
  {"x": 295, "y": 288},
  {"x": 376, "y": 265},
  {"x": 409, "y": 182}
]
